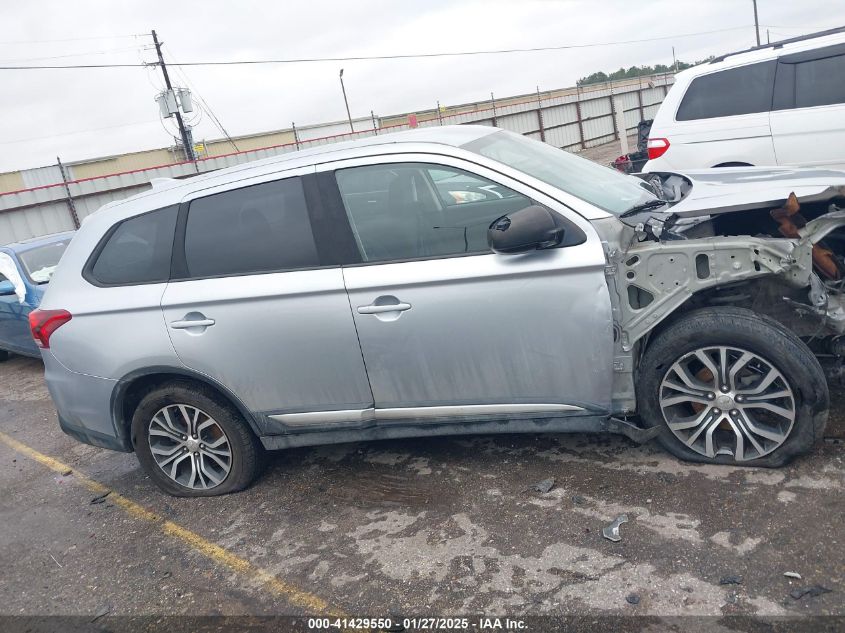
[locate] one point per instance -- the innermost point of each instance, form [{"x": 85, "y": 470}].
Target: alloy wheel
[
  {"x": 190, "y": 447},
  {"x": 727, "y": 401}
]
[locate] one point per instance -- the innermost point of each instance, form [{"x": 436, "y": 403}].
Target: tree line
[{"x": 635, "y": 71}]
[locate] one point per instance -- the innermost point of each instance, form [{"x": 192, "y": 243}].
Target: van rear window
[{"x": 731, "y": 92}]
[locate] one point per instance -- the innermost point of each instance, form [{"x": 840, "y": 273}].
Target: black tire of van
[{"x": 759, "y": 335}]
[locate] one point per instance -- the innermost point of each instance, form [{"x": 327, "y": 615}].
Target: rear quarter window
[
  {"x": 137, "y": 250},
  {"x": 743, "y": 90},
  {"x": 820, "y": 82}
]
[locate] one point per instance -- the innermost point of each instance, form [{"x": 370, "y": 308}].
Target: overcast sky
[{"x": 78, "y": 114}]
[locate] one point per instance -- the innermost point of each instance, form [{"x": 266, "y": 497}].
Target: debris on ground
[
  {"x": 834, "y": 440},
  {"x": 812, "y": 591},
  {"x": 67, "y": 472},
  {"x": 101, "y": 613},
  {"x": 578, "y": 500},
  {"x": 792, "y": 574},
  {"x": 101, "y": 498},
  {"x": 611, "y": 532},
  {"x": 544, "y": 486},
  {"x": 632, "y": 599},
  {"x": 730, "y": 580}
]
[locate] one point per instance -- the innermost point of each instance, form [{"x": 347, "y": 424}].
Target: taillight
[
  {"x": 43, "y": 323},
  {"x": 657, "y": 147}
]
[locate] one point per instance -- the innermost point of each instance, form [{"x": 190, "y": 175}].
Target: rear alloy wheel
[
  {"x": 192, "y": 443},
  {"x": 190, "y": 447},
  {"x": 730, "y": 386}
]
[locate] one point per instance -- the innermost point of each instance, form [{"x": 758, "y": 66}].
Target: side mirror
[
  {"x": 6, "y": 288},
  {"x": 528, "y": 229}
]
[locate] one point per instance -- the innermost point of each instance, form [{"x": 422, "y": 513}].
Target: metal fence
[{"x": 572, "y": 119}]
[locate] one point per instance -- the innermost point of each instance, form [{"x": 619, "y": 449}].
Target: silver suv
[{"x": 442, "y": 281}]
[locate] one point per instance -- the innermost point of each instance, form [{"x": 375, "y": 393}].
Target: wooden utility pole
[{"x": 186, "y": 143}]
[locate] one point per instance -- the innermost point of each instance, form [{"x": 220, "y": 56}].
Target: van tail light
[
  {"x": 43, "y": 323},
  {"x": 657, "y": 147}
]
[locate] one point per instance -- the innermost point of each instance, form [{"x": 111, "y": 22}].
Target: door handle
[
  {"x": 184, "y": 324},
  {"x": 378, "y": 309}
]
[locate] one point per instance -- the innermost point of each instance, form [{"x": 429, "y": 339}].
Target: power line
[
  {"x": 78, "y": 66},
  {"x": 102, "y": 52},
  {"x": 95, "y": 129},
  {"x": 76, "y": 39},
  {"x": 304, "y": 60}
]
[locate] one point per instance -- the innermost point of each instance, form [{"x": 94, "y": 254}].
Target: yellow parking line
[{"x": 220, "y": 555}]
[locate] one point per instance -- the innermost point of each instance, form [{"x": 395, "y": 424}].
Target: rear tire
[
  {"x": 192, "y": 443},
  {"x": 790, "y": 409},
  {"x": 4, "y": 355}
]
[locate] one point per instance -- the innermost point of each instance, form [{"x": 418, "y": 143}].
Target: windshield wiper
[{"x": 643, "y": 206}]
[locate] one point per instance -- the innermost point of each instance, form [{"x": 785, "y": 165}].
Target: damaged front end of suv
[{"x": 772, "y": 241}]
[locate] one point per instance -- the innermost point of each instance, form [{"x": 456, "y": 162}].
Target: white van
[{"x": 778, "y": 104}]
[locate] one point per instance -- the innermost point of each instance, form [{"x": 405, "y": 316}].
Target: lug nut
[
  {"x": 739, "y": 398},
  {"x": 711, "y": 396},
  {"x": 734, "y": 412}
]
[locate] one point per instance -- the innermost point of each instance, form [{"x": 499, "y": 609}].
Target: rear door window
[
  {"x": 261, "y": 228},
  {"x": 820, "y": 82},
  {"x": 743, "y": 90},
  {"x": 138, "y": 250}
]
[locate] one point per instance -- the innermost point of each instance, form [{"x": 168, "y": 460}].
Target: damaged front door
[{"x": 448, "y": 328}]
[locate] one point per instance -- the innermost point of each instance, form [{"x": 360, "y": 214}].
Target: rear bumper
[
  {"x": 87, "y": 436},
  {"x": 83, "y": 403}
]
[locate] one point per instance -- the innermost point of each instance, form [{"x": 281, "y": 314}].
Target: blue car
[{"x": 25, "y": 270}]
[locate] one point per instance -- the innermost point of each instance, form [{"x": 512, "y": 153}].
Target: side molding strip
[{"x": 401, "y": 413}]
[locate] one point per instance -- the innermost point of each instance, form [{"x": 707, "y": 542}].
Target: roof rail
[{"x": 800, "y": 38}]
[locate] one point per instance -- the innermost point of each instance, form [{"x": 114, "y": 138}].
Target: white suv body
[{"x": 782, "y": 104}]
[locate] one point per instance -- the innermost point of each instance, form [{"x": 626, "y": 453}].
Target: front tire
[
  {"x": 730, "y": 386},
  {"x": 193, "y": 444}
]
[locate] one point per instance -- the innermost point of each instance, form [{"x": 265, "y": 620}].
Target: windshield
[
  {"x": 603, "y": 187},
  {"x": 40, "y": 263}
]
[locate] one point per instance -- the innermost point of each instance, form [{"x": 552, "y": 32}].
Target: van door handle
[
  {"x": 378, "y": 309},
  {"x": 184, "y": 324}
]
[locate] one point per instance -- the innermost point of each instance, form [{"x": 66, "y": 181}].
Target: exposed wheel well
[
  {"x": 763, "y": 295},
  {"x": 133, "y": 391}
]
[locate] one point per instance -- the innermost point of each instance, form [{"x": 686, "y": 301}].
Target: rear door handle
[
  {"x": 378, "y": 309},
  {"x": 188, "y": 323}
]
